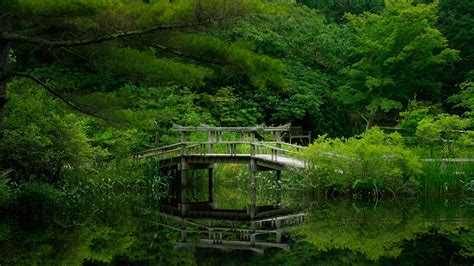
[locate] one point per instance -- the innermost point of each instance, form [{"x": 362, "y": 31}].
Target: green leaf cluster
[
  {"x": 42, "y": 139},
  {"x": 398, "y": 54},
  {"x": 374, "y": 162}
]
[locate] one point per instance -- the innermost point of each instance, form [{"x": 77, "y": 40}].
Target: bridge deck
[
  {"x": 265, "y": 161},
  {"x": 282, "y": 160},
  {"x": 264, "y": 154}
]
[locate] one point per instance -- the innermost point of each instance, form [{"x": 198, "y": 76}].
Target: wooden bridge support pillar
[
  {"x": 278, "y": 230},
  {"x": 183, "y": 201},
  {"x": 278, "y": 186},
  {"x": 210, "y": 184},
  {"x": 183, "y": 176},
  {"x": 209, "y": 139},
  {"x": 253, "y": 173},
  {"x": 278, "y": 140},
  {"x": 253, "y": 189},
  {"x": 184, "y": 234}
]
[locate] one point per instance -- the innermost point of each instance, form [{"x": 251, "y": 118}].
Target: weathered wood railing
[{"x": 275, "y": 150}]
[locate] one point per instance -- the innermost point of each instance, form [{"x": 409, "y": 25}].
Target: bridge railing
[
  {"x": 217, "y": 148},
  {"x": 160, "y": 153}
]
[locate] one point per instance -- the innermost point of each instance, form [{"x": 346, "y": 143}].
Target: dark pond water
[{"x": 391, "y": 231}]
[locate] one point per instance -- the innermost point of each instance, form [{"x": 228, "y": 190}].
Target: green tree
[
  {"x": 42, "y": 139},
  {"x": 455, "y": 22},
  {"x": 465, "y": 98},
  {"x": 397, "y": 56},
  {"x": 336, "y": 9},
  {"x": 72, "y": 48},
  {"x": 312, "y": 51},
  {"x": 416, "y": 111}
]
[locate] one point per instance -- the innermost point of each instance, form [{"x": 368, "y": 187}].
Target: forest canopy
[{"x": 118, "y": 73}]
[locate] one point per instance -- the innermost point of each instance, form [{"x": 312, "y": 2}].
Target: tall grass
[{"x": 442, "y": 178}]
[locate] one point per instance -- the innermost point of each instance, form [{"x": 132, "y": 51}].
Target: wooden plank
[
  {"x": 246, "y": 243},
  {"x": 258, "y": 250},
  {"x": 179, "y": 128}
]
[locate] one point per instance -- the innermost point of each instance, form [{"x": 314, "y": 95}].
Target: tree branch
[
  {"x": 180, "y": 54},
  {"x": 74, "y": 105},
  {"x": 118, "y": 35}
]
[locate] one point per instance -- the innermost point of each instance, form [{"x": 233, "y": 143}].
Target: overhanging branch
[
  {"x": 118, "y": 35},
  {"x": 74, "y": 105},
  {"x": 181, "y": 54}
]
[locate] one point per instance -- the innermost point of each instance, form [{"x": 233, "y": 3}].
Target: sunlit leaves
[{"x": 465, "y": 98}]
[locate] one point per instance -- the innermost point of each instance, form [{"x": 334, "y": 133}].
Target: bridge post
[
  {"x": 278, "y": 186},
  {"x": 253, "y": 183},
  {"x": 278, "y": 140},
  {"x": 209, "y": 139},
  {"x": 210, "y": 185},
  {"x": 252, "y": 144},
  {"x": 278, "y": 230},
  {"x": 183, "y": 144},
  {"x": 183, "y": 203},
  {"x": 184, "y": 234},
  {"x": 253, "y": 188}
]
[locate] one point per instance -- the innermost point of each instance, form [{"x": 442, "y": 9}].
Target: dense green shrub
[
  {"x": 5, "y": 193},
  {"x": 374, "y": 162},
  {"x": 41, "y": 138},
  {"x": 35, "y": 204},
  {"x": 444, "y": 130}
]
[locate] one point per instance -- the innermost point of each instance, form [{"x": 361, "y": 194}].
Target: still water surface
[{"x": 391, "y": 231}]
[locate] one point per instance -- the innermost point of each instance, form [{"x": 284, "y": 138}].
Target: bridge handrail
[
  {"x": 274, "y": 148},
  {"x": 191, "y": 144},
  {"x": 259, "y": 144},
  {"x": 158, "y": 148},
  {"x": 284, "y": 143},
  {"x": 210, "y": 147}
]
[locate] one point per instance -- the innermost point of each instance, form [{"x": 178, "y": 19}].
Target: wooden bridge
[
  {"x": 225, "y": 145},
  {"x": 268, "y": 155}
]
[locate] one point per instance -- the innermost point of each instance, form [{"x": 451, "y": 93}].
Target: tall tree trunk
[
  {"x": 368, "y": 121},
  {"x": 4, "y": 49}
]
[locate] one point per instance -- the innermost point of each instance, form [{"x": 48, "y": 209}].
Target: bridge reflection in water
[
  {"x": 253, "y": 235},
  {"x": 250, "y": 228}
]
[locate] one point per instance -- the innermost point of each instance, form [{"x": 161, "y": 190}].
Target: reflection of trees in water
[
  {"x": 392, "y": 229},
  {"x": 131, "y": 241},
  {"x": 336, "y": 232}
]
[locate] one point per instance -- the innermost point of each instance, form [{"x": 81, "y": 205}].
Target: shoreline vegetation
[{"x": 377, "y": 163}]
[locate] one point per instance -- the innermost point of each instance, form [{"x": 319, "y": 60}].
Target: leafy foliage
[
  {"x": 394, "y": 61},
  {"x": 374, "y": 162},
  {"x": 416, "y": 111},
  {"x": 5, "y": 192},
  {"x": 445, "y": 129},
  {"x": 336, "y": 9},
  {"x": 311, "y": 51},
  {"x": 455, "y": 22},
  {"x": 465, "y": 98},
  {"x": 42, "y": 139}
]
